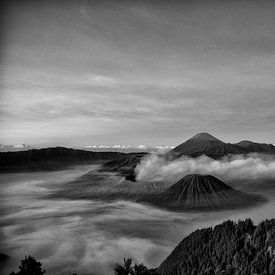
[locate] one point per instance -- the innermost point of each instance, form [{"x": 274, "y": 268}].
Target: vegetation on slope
[
  {"x": 227, "y": 249},
  {"x": 29, "y": 266}
]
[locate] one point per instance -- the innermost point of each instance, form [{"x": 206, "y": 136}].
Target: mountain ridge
[
  {"x": 52, "y": 158},
  {"x": 206, "y": 144},
  {"x": 256, "y": 147}
]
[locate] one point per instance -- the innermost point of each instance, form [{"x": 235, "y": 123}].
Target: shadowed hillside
[
  {"x": 52, "y": 158},
  {"x": 228, "y": 248}
]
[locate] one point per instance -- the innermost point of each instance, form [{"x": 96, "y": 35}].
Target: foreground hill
[
  {"x": 228, "y": 248},
  {"x": 52, "y": 158},
  {"x": 206, "y": 144},
  {"x": 196, "y": 191}
]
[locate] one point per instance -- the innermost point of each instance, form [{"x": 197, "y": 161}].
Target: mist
[
  {"x": 71, "y": 234},
  {"x": 157, "y": 168},
  {"x": 78, "y": 235}
]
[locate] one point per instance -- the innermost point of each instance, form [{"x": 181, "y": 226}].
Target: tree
[
  {"x": 125, "y": 269},
  {"x": 29, "y": 266},
  {"x": 128, "y": 269},
  {"x": 140, "y": 269}
]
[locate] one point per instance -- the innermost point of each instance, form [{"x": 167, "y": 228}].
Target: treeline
[
  {"x": 227, "y": 249},
  {"x": 30, "y": 266}
]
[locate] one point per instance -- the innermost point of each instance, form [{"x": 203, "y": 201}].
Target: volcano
[
  {"x": 206, "y": 144},
  {"x": 124, "y": 166},
  {"x": 196, "y": 191}
]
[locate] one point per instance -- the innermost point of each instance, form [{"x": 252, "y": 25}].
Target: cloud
[
  {"x": 102, "y": 81},
  {"x": 87, "y": 236},
  {"x": 254, "y": 166},
  {"x": 142, "y": 65},
  {"x": 82, "y": 236}
]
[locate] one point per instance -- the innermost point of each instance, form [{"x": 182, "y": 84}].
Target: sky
[{"x": 74, "y": 73}]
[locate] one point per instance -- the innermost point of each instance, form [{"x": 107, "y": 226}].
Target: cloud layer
[
  {"x": 87, "y": 236},
  {"x": 250, "y": 167}
]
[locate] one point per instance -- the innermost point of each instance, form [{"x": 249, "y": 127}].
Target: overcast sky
[{"x": 136, "y": 72}]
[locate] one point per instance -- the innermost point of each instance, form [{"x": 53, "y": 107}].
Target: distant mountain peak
[{"x": 204, "y": 137}]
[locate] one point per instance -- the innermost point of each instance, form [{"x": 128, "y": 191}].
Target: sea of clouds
[
  {"x": 156, "y": 167},
  {"x": 88, "y": 237}
]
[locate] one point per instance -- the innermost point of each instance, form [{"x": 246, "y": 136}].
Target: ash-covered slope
[
  {"x": 125, "y": 165},
  {"x": 99, "y": 185},
  {"x": 196, "y": 191},
  {"x": 206, "y": 144}
]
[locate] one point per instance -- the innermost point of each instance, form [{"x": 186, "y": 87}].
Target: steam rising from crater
[{"x": 250, "y": 167}]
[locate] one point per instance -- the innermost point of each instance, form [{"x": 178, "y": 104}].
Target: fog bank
[
  {"x": 89, "y": 236},
  {"x": 250, "y": 167}
]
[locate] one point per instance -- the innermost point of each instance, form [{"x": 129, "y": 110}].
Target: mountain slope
[
  {"x": 256, "y": 147},
  {"x": 228, "y": 248},
  {"x": 51, "y": 158},
  {"x": 196, "y": 191},
  {"x": 124, "y": 166},
  {"x": 99, "y": 185},
  {"x": 206, "y": 144}
]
